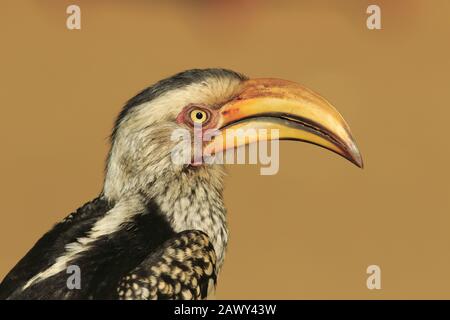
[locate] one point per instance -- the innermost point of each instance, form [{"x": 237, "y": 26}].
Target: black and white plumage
[{"x": 158, "y": 229}]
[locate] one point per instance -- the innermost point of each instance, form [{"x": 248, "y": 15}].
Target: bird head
[{"x": 220, "y": 101}]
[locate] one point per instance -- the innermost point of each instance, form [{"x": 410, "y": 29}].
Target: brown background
[{"x": 311, "y": 230}]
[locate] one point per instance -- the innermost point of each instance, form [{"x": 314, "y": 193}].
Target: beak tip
[
  {"x": 354, "y": 155},
  {"x": 356, "y": 158},
  {"x": 359, "y": 163}
]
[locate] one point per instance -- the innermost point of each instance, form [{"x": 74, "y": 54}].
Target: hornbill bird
[{"x": 158, "y": 228}]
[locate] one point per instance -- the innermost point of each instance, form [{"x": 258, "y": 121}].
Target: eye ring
[{"x": 198, "y": 116}]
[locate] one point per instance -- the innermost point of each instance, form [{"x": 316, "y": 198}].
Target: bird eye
[{"x": 198, "y": 116}]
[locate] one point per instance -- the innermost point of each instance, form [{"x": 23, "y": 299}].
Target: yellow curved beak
[{"x": 295, "y": 112}]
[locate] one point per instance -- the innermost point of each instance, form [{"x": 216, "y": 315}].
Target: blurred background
[{"x": 311, "y": 230}]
